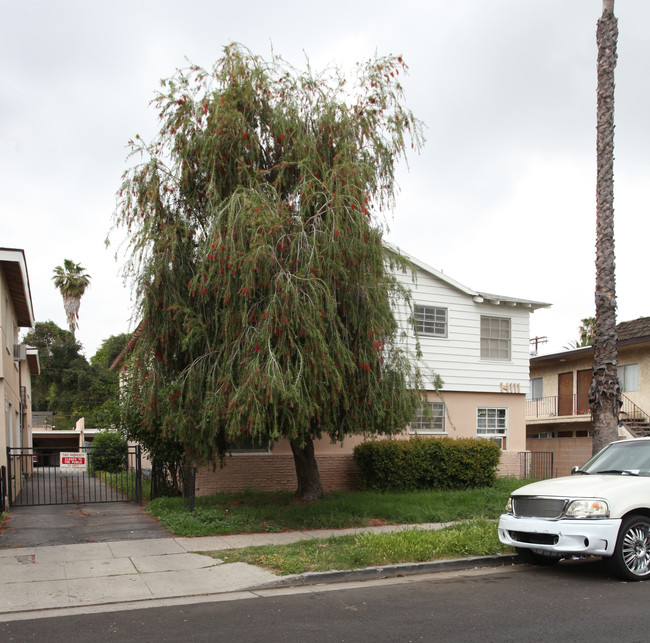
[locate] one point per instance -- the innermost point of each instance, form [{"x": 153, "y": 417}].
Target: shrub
[
  {"x": 109, "y": 452},
  {"x": 427, "y": 463}
]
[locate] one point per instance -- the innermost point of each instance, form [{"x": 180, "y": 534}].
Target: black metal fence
[
  {"x": 189, "y": 487},
  {"x": 46, "y": 476},
  {"x": 3, "y": 487},
  {"x": 173, "y": 480},
  {"x": 536, "y": 464},
  {"x": 166, "y": 479}
]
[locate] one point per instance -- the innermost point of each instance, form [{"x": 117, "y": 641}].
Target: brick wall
[
  {"x": 509, "y": 466},
  {"x": 277, "y": 473},
  {"x": 567, "y": 452},
  {"x": 274, "y": 473}
]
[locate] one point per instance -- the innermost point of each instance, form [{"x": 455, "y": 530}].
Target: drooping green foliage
[
  {"x": 257, "y": 257},
  {"x": 165, "y": 452}
]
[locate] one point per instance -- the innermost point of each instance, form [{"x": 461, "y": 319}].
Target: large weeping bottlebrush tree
[
  {"x": 605, "y": 392},
  {"x": 256, "y": 253}
]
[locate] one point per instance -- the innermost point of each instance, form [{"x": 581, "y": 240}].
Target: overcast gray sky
[{"x": 502, "y": 198}]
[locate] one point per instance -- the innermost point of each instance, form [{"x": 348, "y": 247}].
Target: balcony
[{"x": 574, "y": 408}]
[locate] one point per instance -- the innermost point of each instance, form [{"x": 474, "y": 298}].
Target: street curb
[{"x": 392, "y": 571}]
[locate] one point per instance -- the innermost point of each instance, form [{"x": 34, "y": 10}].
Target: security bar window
[{"x": 431, "y": 420}]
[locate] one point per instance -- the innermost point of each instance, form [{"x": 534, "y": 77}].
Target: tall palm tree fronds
[
  {"x": 72, "y": 281},
  {"x": 586, "y": 337}
]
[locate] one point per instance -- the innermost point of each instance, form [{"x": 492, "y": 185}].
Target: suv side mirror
[{"x": 575, "y": 469}]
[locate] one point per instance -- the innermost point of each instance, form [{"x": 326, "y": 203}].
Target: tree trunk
[
  {"x": 604, "y": 393},
  {"x": 71, "y": 307},
  {"x": 309, "y": 484}
]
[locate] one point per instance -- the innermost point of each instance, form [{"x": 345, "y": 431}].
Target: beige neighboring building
[
  {"x": 558, "y": 418},
  {"x": 18, "y": 362}
]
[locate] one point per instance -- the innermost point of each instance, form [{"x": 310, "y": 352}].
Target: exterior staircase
[
  {"x": 640, "y": 427},
  {"x": 634, "y": 418}
]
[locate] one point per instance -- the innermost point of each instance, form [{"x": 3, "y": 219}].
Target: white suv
[{"x": 602, "y": 509}]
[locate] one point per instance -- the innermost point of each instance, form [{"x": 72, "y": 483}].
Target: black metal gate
[
  {"x": 53, "y": 476},
  {"x": 3, "y": 487},
  {"x": 536, "y": 464}
]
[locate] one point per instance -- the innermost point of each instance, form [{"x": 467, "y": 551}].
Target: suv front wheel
[{"x": 631, "y": 558}]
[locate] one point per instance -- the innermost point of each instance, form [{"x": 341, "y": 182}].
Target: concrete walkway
[{"x": 144, "y": 571}]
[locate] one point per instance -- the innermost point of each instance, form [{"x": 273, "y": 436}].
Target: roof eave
[
  {"x": 15, "y": 268},
  {"x": 33, "y": 360},
  {"x": 477, "y": 297}
]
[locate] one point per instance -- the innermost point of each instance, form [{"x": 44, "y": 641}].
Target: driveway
[{"x": 79, "y": 521}]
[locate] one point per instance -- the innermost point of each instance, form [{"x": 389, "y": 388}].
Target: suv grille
[
  {"x": 538, "y": 507},
  {"x": 534, "y": 539}
]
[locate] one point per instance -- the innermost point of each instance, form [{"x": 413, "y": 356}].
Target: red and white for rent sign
[{"x": 73, "y": 461}]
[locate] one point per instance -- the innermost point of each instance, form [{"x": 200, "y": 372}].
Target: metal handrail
[
  {"x": 631, "y": 410},
  {"x": 547, "y": 407}
]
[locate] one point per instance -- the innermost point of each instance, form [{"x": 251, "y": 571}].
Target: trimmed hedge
[{"x": 427, "y": 463}]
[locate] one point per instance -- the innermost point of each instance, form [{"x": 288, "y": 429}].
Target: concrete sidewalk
[{"x": 122, "y": 572}]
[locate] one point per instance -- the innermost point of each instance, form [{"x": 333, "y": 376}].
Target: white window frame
[
  {"x": 429, "y": 423},
  {"x": 7, "y": 324},
  {"x": 246, "y": 446},
  {"x": 431, "y": 321},
  {"x": 536, "y": 391},
  {"x": 628, "y": 377},
  {"x": 17, "y": 429},
  {"x": 492, "y": 424},
  {"x": 10, "y": 428},
  {"x": 496, "y": 339}
]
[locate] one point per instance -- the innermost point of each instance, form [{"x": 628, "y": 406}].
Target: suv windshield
[{"x": 630, "y": 457}]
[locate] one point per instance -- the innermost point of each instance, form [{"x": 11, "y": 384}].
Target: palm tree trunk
[
  {"x": 604, "y": 394},
  {"x": 71, "y": 307}
]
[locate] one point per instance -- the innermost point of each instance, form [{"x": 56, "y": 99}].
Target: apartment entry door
[
  {"x": 565, "y": 394},
  {"x": 584, "y": 382}
]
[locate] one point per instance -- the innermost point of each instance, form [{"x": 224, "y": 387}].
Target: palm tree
[
  {"x": 605, "y": 392},
  {"x": 586, "y": 331},
  {"x": 72, "y": 281}
]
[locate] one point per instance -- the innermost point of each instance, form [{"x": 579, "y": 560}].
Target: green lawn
[
  {"x": 474, "y": 510},
  {"x": 473, "y": 538},
  {"x": 255, "y": 512},
  {"x": 124, "y": 482}
]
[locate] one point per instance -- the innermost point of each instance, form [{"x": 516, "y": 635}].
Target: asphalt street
[{"x": 573, "y": 601}]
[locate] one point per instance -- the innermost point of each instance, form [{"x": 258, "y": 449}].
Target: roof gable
[{"x": 477, "y": 296}]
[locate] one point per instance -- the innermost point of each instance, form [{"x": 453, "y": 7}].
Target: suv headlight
[
  {"x": 509, "y": 506},
  {"x": 587, "y": 509}
]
